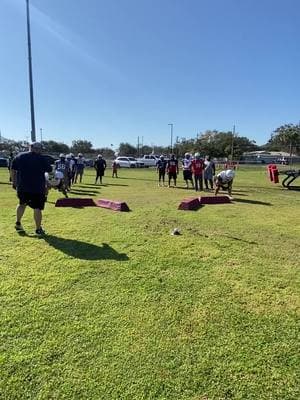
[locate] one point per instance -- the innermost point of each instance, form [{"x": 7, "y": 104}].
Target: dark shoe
[
  {"x": 19, "y": 228},
  {"x": 40, "y": 232}
]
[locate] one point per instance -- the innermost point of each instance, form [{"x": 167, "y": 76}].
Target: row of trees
[
  {"x": 216, "y": 143},
  {"x": 285, "y": 138}
]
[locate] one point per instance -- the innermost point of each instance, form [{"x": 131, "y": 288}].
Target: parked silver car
[{"x": 128, "y": 162}]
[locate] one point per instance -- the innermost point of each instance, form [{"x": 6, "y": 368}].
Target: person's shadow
[
  {"x": 248, "y": 201},
  {"x": 84, "y": 250}
]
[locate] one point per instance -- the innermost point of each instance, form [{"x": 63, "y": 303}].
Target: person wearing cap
[
  {"x": 224, "y": 180},
  {"x": 161, "y": 166},
  {"x": 28, "y": 178},
  {"x": 100, "y": 166}
]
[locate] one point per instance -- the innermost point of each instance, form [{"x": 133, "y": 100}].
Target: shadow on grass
[
  {"x": 240, "y": 239},
  {"x": 137, "y": 179},
  {"x": 262, "y": 203},
  {"x": 85, "y": 186},
  {"x": 114, "y": 184},
  {"x": 84, "y": 192},
  {"x": 84, "y": 250},
  {"x": 5, "y": 183}
]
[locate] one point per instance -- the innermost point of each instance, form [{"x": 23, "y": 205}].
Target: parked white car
[
  {"x": 127, "y": 162},
  {"x": 148, "y": 161}
]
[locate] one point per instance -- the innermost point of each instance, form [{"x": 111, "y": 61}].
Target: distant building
[{"x": 266, "y": 157}]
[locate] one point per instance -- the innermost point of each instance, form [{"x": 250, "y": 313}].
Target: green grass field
[{"x": 111, "y": 306}]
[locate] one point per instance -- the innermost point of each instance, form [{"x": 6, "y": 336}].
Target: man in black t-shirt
[
  {"x": 100, "y": 166},
  {"x": 28, "y": 178},
  {"x": 161, "y": 166}
]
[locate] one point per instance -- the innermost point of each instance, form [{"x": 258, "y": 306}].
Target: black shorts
[
  {"x": 187, "y": 175},
  {"x": 100, "y": 172},
  {"x": 161, "y": 173},
  {"x": 172, "y": 175},
  {"x": 33, "y": 200}
]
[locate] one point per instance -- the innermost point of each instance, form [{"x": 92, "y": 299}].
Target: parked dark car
[
  {"x": 89, "y": 162},
  {"x": 3, "y": 162}
]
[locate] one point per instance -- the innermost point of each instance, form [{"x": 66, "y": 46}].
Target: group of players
[
  {"x": 68, "y": 169},
  {"x": 32, "y": 176},
  {"x": 195, "y": 171}
]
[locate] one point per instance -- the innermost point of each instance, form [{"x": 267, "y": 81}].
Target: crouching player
[
  {"x": 55, "y": 181},
  {"x": 224, "y": 180}
]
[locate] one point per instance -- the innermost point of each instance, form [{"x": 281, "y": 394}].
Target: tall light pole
[
  {"x": 171, "y": 125},
  {"x": 33, "y": 135}
]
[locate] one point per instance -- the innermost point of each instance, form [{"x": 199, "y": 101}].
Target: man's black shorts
[
  {"x": 100, "y": 172},
  {"x": 172, "y": 175},
  {"x": 33, "y": 200},
  {"x": 187, "y": 175},
  {"x": 161, "y": 174}
]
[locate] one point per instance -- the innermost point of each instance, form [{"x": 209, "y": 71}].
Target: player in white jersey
[
  {"x": 62, "y": 165},
  {"x": 224, "y": 180},
  {"x": 187, "y": 170},
  {"x": 79, "y": 167}
]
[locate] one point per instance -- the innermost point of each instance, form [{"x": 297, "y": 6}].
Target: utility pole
[
  {"x": 177, "y": 142},
  {"x": 171, "y": 125},
  {"x": 41, "y": 132},
  {"x": 33, "y": 135},
  {"x": 138, "y": 146}
]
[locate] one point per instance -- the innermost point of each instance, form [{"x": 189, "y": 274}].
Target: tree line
[{"x": 211, "y": 142}]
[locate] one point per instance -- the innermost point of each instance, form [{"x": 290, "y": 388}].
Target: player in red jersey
[
  {"x": 197, "y": 169},
  {"x": 172, "y": 169}
]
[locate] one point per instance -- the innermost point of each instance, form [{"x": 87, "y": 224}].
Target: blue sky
[{"x": 110, "y": 71}]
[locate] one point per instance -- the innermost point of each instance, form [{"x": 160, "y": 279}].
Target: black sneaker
[
  {"x": 40, "y": 232},
  {"x": 19, "y": 228}
]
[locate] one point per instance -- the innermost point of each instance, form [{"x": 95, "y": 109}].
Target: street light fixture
[
  {"x": 33, "y": 135},
  {"x": 171, "y": 125}
]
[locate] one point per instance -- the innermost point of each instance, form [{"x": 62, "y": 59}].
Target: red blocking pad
[
  {"x": 189, "y": 204},
  {"x": 112, "y": 205},
  {"x": 214, "y": 200},
  {"x": 75, "y": 202}
]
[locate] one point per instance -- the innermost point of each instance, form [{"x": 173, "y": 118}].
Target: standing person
[
  {"x": 224, "y": 180},
  {"x": 10, "y": 160},
  {"x": 100, "y": 166},
  {"x": 62, "y": 165},
  {"x": 172, "y": 169},
  {"x": 114, "y": 169},
  {"x": 161, "y": 166},
  {"x": 79, "y": 167},
  {"x": 187, "y": 170},
  {"x": 209, "y": 172},
  {"x": 197, "y": 169},
  {"x": 28, "y": 178},
  {"x": 71, "y": 166}
]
